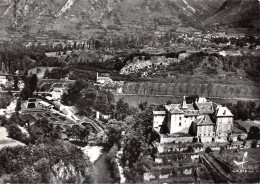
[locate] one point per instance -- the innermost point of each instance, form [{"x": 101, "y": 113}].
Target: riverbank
[{"x": 93, "y": 152}]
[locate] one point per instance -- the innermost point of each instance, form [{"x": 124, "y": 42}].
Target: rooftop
[
  {"x": 205, "y": 107},
  {"x": 205, "y": 121},
  {"x": 191, "y": 112},
  {"x": 223, "y": 111},
  {"x": 159, "y": 112},
  {"x": 174, "y": 109}
]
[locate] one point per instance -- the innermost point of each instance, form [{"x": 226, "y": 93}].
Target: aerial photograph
[{"x": 129, "y": 92}]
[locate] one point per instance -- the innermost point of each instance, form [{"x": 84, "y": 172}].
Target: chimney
[{"x": 184, "y": 104}]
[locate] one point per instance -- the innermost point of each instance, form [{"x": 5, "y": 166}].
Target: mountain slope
[
  {"x": 236, "y": 13},
  {"x": 95, "y": 18}
]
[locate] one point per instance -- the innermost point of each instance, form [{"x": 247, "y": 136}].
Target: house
[
  {"x": 200, "y": 119},
  {"x": 224, "y": 121},
  {"x": 205, "y": 129},
  {"x": 103, "y": 80}
]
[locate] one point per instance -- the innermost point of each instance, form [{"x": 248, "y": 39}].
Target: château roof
[
  {"x": 191, "y": 113},
  {"x": 223, "y": 112},
  {"x": 174, "y": 109},
  {"x": 204, "y": 121},
  {"x": 159, "y": 112},
  {"x": 205, "y": 107},
  {"x": 190, "y": 107}
]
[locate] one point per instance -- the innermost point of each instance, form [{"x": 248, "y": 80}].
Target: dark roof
[
  {"x": 174, "y": 109},
  {"x": 191, "y": 112},
  {"x": 31, "y": 105},
  {"x": 190, "y": 107},
  {"x": 205, "y": 121},
  {"x": 224, "y": 112},
  {"x": 205, "y": 107}
]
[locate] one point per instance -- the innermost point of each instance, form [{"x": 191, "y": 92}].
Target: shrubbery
[
  {"x": 112, "y": 156},
  {"x": 33, "y": 164}
]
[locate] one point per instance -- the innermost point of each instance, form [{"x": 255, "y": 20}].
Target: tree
[
  {"x": 253, "y": 133},
  {"x": 143, "y": 105},
  {"x": 28, "y": 175},
  {"x": 113, "y": 134},
  {"x": 26, "y": 93},
  {"x": 14, "y": 132},
  {"x": 16, "y": 81},
  {"x": 18, "y": 104},
  {"x": 121, "y": 110},
  {"x": 43, "y": 131},
  {"x": 46, "y": 73},
  {"x": 33, "y": 82}
]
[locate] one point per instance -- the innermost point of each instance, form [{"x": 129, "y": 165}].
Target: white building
[
  {"x": 103, "y": 80},
  {"x": 202, "y": 119}
]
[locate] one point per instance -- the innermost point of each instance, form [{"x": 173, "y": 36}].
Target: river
[{"x": 101, "y": 172}]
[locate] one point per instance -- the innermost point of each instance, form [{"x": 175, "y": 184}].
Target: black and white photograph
[{"x": 129, "y": 92}]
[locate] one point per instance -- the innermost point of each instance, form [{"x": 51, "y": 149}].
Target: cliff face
[
  {"x": 95, "y": 18},
  {"x": 202, "y": 89},
  {"x": 62, "y": 174}
]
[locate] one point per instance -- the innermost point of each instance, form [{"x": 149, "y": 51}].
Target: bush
[
  {"x": 111, "y": 156},
  {"x": 208, "y": 150},
  {"x": 15, "y": 132}
]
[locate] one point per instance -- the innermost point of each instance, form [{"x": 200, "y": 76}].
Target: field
[
  {"x": 189, "y": 87},
  {"x": 134, "y": 100}
]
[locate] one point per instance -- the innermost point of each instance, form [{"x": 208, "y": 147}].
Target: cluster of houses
[{"x": 202, "y": 119}]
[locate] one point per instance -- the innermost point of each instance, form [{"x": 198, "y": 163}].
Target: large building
[{"x": 203, "y": 119}]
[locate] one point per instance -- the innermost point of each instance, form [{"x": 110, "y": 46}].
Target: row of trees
[
  {"x": 245, "y": 110},
  {"x": 133, "y": 134},
  {"x": 18, "y": 57}
]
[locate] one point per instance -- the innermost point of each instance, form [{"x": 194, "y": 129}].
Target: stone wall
[
  {"x": 186, "y": 139},
  {"x": 169, "y": 173}
]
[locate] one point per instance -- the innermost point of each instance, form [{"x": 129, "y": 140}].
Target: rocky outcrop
[{"x": 62, "y": 174}]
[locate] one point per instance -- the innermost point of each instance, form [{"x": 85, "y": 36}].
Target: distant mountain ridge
[
  {"x": 237, "y": 13},
  {"x": 104, "y": 18}
]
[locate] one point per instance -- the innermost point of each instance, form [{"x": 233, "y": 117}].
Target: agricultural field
[{"x": 135, "y": 100}]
